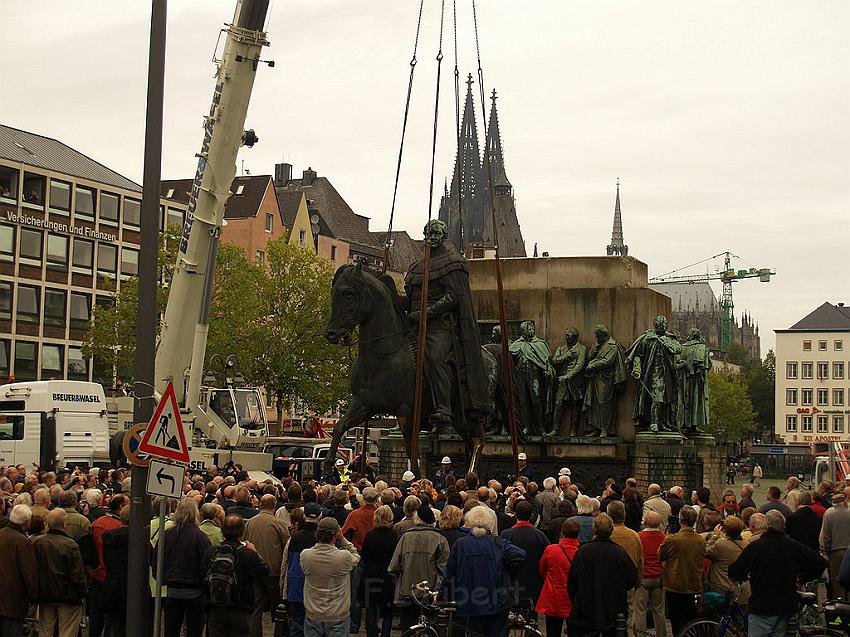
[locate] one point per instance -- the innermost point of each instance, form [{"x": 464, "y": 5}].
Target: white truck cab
[{"x": 53, "y": 423}]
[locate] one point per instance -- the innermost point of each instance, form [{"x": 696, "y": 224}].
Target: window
[
  {"x": 838, "y": 345},
  {"x": 80, "y": 310},
  {"x": 51, "y": 362},
  {"x": 806, "y": 424},
  {"x": 838, "y": 424},
  {"x": 790, "y": 396},
  {"x": 261, "y": 257},
  {"x": 8, "y": 184},
  {"x": 104, "y": 301},
  {"x": 78, "y": 367},
  {"x": 26, "y": 360},
  {"x": 132, "y": 212},
  {"x": 806, "y": 397},
  {"x": 807, "y": 370},
  {"x": 11, "y": 427},
  {"x": 791, "y": 423},
  {"x": 28, "y": 304},
  {"x": 823, "y": 424},
  {"x": 84, "y": 207},
  {"x": 161, "y": 218},
  {"x": 302, "y": 238},
  {"x": 57, "y": 252},
  {"x": 129, "y": 261},
  {"x": 107, "y": 258},
  {"x": 823, "y": 397},
  {"x": 60, "y": 196},
  {"x": 269, "y": 222},
  {"x": 790, "y": 367},
  {"x": 109, "y": 208},
  {"x": 83, "y": 256},
  {"x": 333, "y": 253},
  {"x": 6, "y": 290},
  {"x": 807, "y": 346},
  {"x": 175, "y": 216},
  {"x": 823, "y": 370},
  {"x": 838, "y": 370},
  {"x": 33, "y": 192},
  {"x": 31, "y": 246},
  {"x": 7, "y": 243},
  {"x": 240, "y": 189},
  {"x": 5, "y": 347},
  {"x": 837, "y": 397},
  {"x": 821, "y": 346},
  {"x": 54, "y": 307}
]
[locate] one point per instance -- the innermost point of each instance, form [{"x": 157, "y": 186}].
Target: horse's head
[{"x": 348, "y": 308}]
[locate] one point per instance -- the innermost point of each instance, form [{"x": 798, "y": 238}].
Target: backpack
[{"x": 221, "y": 578}]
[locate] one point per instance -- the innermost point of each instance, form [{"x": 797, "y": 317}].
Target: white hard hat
[
  {"x": 408, "y": 476},
  {"x": 340, "y": 462},
  {"x": 446, "y": 460},
  {"x": 522, "y": 456},
  {"x": 565, "y": 471}
]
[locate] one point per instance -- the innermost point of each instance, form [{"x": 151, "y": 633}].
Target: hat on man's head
[
  {"x": 426, "y": 514},
  {"x": 312, "y": 511},
  {"x": 565, "y": 471},
  {"x": 340, "y": 462},
  {"x": 446, "y": 460},
  {"x": 617, "y": 490},
  {"x": 522, "y": 456},
  {"x": 408, "y": 476},
  {"x": 328, "y": 525}
]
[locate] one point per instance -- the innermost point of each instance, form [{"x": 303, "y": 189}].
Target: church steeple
[
  {"x": 497, "y": 159},
  {"x": 466, "y": 180},
  {"x": 617, "y": 246}
]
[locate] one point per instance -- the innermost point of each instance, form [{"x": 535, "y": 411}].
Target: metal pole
[
  {"x": 138, "y": 597},
  {"x": 363, "y": 449},
  {"x": 420, "y": 359},
  {"x": 160, "y": 558}
]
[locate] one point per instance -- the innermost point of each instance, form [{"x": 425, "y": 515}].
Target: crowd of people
[{"x": 324, "y": 558}]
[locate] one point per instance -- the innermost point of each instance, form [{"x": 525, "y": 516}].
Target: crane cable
[
  {"x": 459, "y": 167},
  {"x": 426, "y": 270},
  {"x": 388, "y": 239}
]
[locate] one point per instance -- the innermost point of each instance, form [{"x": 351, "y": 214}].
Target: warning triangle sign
[{"x": 164, "y": 436}]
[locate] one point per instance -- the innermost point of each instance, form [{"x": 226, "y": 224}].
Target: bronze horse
[{"x": 382, "y": 377}]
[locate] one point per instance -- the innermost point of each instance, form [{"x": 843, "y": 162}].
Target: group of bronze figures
[
  {"x": 671, "y": 375},
  {"x": 464, "y": 381}
]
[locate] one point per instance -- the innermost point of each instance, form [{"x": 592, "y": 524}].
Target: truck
[
  {"x": 831, "y": 461},
  {"x": 54, "y": 423},
  {"x": 301, "y": 458}
]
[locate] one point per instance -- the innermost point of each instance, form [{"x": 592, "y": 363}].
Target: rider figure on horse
[{"x": 452, "y": 347}]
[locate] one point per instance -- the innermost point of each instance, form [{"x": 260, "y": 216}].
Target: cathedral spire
[
  {"x": 497, "y": 158},
  {"x": 617, "y": 246}
]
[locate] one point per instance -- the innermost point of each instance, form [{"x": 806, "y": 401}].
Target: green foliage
[
  {"x": 737, "y": 354},
  {"x": 730, "y": 409},
  {"x": 760, "y": 376},
  {"x": 273, "y": 318},
  {"x": 111, "y": 337}
]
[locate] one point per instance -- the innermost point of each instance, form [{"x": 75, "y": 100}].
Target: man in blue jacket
[
  {"x": 478, "y": 572},
  {"x": 291, "y": 575}
]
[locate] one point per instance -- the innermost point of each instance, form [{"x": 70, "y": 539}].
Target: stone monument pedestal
[{"x": 669, "y": 459}]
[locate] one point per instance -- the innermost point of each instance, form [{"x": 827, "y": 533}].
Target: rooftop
[
  {"x": 826, "y": 318},
  {"x": 248, "y": 191},
  {"x": 50, "y": 154}
]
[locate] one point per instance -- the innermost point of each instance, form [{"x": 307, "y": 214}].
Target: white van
[{"x": 53, "y": 423}]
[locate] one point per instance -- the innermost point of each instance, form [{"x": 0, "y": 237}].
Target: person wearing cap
[
  {"x": 341, "y": 474},
  {"x": 291, "y": 574},
  {"x": 445, "y": 471},
  {"x": 327, "y": 570},
  {"x": 406, "y": 479},
  {"x": 358, "y": 523},
  {"x": 420, "y": 555},
  {"x": 524, "y": 469},
  {"x": 613, "y": 493}
]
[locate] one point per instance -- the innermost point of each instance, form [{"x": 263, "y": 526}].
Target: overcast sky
[{"x": 727, "y": 122}]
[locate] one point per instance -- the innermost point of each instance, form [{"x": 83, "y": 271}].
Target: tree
[
  {"x": 111, "y": 337},
  {"x": 760, "y": 376},
  {"x": 273, "y": 318},
  {"x": 731, "y": 413},
  {"x": 737, "y": 354}
]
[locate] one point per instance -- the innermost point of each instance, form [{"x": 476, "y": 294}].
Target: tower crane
[{"x": 727, "y": 277}]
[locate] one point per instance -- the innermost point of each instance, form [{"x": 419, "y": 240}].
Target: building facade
[
  {"x": 812, "y": 382},
  {"x": 69, "y": 237}
]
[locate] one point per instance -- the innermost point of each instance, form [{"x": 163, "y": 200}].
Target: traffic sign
[
  {"x": 164, "y": 437},
  {"x": 132, "y": 439},
  {"x": 165, "y": 479}
]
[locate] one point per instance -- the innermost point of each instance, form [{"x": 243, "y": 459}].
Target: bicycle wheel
[
  {"x": 700, "y": 628},
  {"x": 420, "y": 631},
  {"x": 820, "y": 631},
  {"x": 523, "y": 630}
]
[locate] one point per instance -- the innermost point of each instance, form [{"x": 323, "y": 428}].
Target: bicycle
[
  {"x": 520, "y": 623},
  {"x": 733, "y": 623},
  {"x": 837, "y": 618}
]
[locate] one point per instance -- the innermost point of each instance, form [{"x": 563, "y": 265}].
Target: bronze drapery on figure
[
  {"x": 569, "y": 361},
  {"x": 532, "y": 379},
  {"x": 696, "y": 365},
  {"x": 606, "y": 375}
]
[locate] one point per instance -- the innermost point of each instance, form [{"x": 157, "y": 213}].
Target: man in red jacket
[
  {"x": 108, "y": 522},
  {"x": 650, "y": 592}
]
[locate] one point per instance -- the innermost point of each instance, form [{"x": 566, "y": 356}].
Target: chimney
[
  {"x": 308, "y": 177},
  {"x": 282, "y": 174}
]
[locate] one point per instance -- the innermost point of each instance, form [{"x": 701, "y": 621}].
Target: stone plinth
[
  {"x": 561, "y": 292},
  {"x": 681, "y": 463}
]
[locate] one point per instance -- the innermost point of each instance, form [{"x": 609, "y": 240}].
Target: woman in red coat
[{"x": 555, "y": 564}]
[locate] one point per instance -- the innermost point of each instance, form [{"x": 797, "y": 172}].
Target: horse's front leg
[{"x": 356, "y": 414}]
